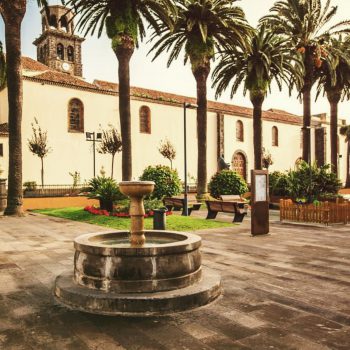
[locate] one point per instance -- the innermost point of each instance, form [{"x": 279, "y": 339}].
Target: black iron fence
[{"x": 54, "y": 191}]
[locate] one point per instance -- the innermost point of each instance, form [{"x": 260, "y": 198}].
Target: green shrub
[
  {"x": 29, "y": 186},
  {"x": 310, "y": 182},
  {"x": 167, "y": 181},
  {"x": 151, "y": 204},
  {"x": 227, "y": 182},
  {"x": 278, "y": 183},
  {"x": 101, "y": 187}
]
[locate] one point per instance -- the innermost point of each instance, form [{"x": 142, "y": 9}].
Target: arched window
[
  {"x": 239, "y": 131},
  {"x": 274, "y": 136},
  {"x": 53, "y": 21},
  {"x": 145, "y": 120},
  {"x": 41, "y": 54},
  {"x": 64, "y": 23},
  {"x": 60, "y": 51},
  {"x": 70, "y": 53},
  {"x": 75, "y": 116}
]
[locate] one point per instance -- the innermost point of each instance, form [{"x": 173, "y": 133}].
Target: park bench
[
  {"x": 242, "y": 202},
  {"x": 172, "y": 203},
  {"x": 215, "y": 207}
]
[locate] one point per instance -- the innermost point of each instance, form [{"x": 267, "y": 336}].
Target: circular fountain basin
[
  {"x": 161, "y": 277},
  {"x": 106, "y": 261}
]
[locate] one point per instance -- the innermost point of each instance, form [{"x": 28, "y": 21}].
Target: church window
[
  {"x": 274, "y": 136},
  {"x": 64, "y": 23},
  {"x": 239, "y": 131},
  {"x": 76, "y": 116},
  {"x": 41, "y": 54},
  {"x": 60, "y": 51},
  {"x": 53, "y": 21},
  {"x": 70, "y": 53},
  {"x": 1, "y": 150},
  {"x": 145, "y": 120}
]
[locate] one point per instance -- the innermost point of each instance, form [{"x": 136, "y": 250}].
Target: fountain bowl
[
  {"x": 136, "y": 188},
  {"x": 110, "y": 277}
]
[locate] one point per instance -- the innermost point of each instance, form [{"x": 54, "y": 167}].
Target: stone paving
[{"x": 288, "y": 290}]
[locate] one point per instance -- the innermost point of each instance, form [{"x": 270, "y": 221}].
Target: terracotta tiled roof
[
  {"x": 276, "y": 115},
  {"x": 63, "y": 78},
  {"x": 30, "y": 64},
  {"x": 4, "y": 129},
  {"x": 99, "y": 86}
]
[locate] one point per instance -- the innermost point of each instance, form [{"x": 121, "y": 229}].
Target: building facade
[{"x": 66, "y": 106}]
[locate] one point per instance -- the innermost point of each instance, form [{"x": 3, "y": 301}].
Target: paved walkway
[{"x": 288, "y": 290}]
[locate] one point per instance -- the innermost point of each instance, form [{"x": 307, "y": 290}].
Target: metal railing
[{"x": 53, "y": 191}]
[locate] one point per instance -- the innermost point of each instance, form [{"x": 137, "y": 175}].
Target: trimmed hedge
[
  {"x": 227, "y": 182},
  {"x": 167, "y": 181}
]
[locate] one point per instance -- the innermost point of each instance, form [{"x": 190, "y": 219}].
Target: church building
[{"x": 68, "y": 107}]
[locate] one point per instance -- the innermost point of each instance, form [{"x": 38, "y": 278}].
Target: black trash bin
[{"x": 159, "y": 219}]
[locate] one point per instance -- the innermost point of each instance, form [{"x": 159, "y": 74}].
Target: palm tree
[
  {"x": 267, "y": 58},
  {"x": 12, "y": 13},
  {"x": 334, "y": 81},
  {"x": 202, "y": 27},
  {"x": 345, "y": 131},
  {"x": 124, "y": 21},
  {"x": 303, "y": 23}
]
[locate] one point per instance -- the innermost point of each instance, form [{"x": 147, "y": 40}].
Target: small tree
[
  {"x": 111, "y": 143},
  {"x": 76, "y": 179},
  {"x": 167, "y": 150},
  {"x": 38, "y": 145}
]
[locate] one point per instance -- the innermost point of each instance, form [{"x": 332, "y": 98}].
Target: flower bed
[{"x": 95, "y": 211}]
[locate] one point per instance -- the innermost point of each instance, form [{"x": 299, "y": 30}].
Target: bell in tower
[{"x": 57, "y": 46}]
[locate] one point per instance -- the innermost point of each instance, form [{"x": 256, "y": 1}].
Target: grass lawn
[{"x": 173, "y": 222}]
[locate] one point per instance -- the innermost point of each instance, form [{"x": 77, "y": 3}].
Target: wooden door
[{"x": 239, "y": 164}]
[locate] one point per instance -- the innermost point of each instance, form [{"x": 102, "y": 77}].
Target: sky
[{"x": 99, "y": 62}]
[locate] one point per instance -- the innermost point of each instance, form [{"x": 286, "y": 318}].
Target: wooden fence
[{"x": 323, "y": 213}]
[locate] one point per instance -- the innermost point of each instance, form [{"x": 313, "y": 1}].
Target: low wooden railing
[{"x": 323, "y": 213}]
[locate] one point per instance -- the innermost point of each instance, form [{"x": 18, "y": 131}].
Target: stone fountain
[{"x": 137, "y": 273}]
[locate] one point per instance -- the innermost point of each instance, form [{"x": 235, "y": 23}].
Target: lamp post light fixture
[
  {"x": 185, "y": 106},
  {"x": 94, "y": 137}
]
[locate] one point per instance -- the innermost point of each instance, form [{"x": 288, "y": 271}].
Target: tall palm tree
[
  {"x": 12, "y": 13},
  {"x": 125, "y": 22},
  {"x": 267, "y": 58},
  {"x": 304, "y": 24},
  {"x": 334, "y": 81},
  {"x": 345, "y": 131},
  {"x": 202, "y": 27}
]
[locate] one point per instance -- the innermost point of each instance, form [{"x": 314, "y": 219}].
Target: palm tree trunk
[
  {"x": 334, "y": 98},
  {"x": 257, "y": 99},
  {"x": 124, "y": 51},
  {"x": 13, "y": 13},
  {"x": 309, "y": 71},
  {"x": 201, "y": 75}
]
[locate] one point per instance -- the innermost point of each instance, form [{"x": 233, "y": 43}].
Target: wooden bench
[
  {"x": 214, "y": 207},
  {"x": 172, "y": 203},
  {"x": 242, "y": 202}
]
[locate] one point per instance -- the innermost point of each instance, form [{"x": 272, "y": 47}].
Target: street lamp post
[
  {"x": 185, "y": 106},
  {"x": 94, "y": 137}
]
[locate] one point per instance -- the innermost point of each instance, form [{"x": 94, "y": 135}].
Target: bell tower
[{"x": 57, "y": 46}]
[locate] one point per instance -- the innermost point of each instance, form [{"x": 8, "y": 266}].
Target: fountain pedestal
[{"x": 118, "y": 275}]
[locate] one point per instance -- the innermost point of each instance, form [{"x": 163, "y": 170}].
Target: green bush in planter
[
  {"x": 278, "y": 183},
  {"x": 227, "y": 182},
  {"x": 106, "y": 190},
  {"x": 310, "y": 182},
  {"x": 167, "y": 181}
]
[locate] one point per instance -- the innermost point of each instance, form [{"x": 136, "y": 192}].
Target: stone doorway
[{"x": 239, "y": 164}]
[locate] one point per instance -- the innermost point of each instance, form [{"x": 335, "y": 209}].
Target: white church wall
[
  {"x": 70, "y": 151},
  {"x": 288, "y": 150}
]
